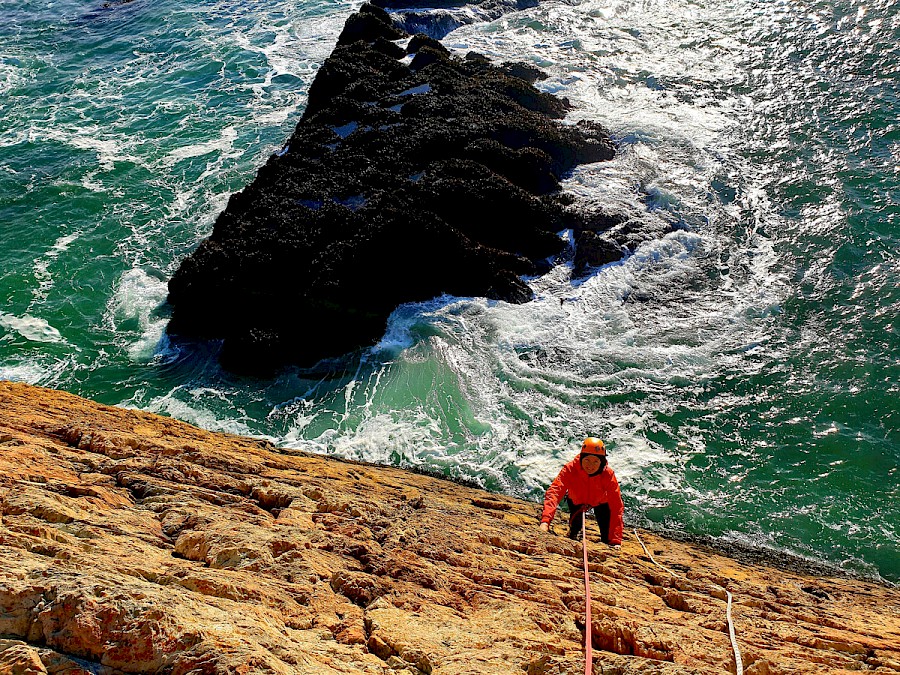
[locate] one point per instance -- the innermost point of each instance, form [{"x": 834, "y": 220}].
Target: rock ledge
[{"x": 132, "y": 543}]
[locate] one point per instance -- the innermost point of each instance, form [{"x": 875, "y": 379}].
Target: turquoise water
[{"x": 745, "y": 367}]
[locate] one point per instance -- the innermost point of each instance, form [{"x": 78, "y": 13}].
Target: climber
[{"x": 587, "y": 482}]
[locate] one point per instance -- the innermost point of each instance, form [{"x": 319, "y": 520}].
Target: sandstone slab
[{"x": 132, "y": 543}]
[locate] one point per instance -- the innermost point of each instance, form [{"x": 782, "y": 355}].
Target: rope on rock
[
  {"x": 738, "y": 661},
  {"x": 588, "y": 652}
]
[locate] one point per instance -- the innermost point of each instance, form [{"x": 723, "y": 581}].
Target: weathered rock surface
[
  {"x": 132, "y": 543},
  {"x": 412, "y": 173}
]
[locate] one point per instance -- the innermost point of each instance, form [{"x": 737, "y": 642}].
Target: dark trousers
[{"x": 601, "y": 513}]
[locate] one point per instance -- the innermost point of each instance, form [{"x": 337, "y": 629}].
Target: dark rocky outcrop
[{"x": 404, "y": 180}]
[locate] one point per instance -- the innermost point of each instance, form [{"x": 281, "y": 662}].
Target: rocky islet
[{"x": 413, "y": 173}]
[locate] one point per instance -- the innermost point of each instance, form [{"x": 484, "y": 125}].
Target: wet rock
[
  {"x": 594, "y": 250},
  {"x": 420, "y": 40},
  {"x": 528, "y": 168},
  {"x": 524, "y": 71},
  {"x": 369, "y": 24}
]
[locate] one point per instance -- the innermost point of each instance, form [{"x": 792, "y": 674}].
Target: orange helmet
[{"x": 593, "y": 446}]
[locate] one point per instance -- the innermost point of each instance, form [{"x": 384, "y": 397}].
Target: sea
[{"x": 743, "y": 367}]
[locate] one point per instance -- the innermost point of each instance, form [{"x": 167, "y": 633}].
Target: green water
[{"x": 745, "y": 368}]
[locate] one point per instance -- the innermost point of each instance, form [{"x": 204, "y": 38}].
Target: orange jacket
[{"x": 584, "y": 489}]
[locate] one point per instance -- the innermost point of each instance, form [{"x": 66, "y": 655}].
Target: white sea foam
[
  {"x": 131, "y": 312},
  {"x": 198, "y": 406},
  {"x": 109, "y": 148},
  {"x": 410, "y": 440},
  {"x": 30, "y": 327},
  {"x": 402, "y": 322},
  {"x": 28, "y": 372},
  {"x": 290, "y": 46},
  {"x": 88, "y": 182},
  {"x": 10, "y": 76},
  {"x": 42, "y": 265},
  {"x": 223, "y": 144},
  {"x": 294, "y": 45}
]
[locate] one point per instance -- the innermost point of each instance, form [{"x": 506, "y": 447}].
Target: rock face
[
  {"x": 132, "y": 543},
  {"x": 412, "y": 173}
]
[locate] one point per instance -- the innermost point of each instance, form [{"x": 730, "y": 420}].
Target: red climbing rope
[{"x": 588, "y": 656}]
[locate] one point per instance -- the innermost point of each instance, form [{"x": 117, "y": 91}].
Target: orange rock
[
  {"x": 136, "y": 543},
  {"x": 17, "y": 658}
]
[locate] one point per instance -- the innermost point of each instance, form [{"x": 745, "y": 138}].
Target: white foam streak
[
  {"x": 42, "y": 266},
  {"x": 10, "y": 76},
  {"x": 30, "y": 327},
  {"x": 193, "y": 405},
  {"x": 91, "y": 138},
  {"x": 131, "y": 312},
  {"x": 223, "y": 144}
]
